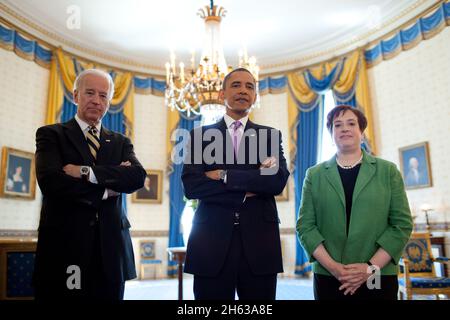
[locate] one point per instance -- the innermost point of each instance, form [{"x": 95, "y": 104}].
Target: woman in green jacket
[{"x": 354, "y": 218}]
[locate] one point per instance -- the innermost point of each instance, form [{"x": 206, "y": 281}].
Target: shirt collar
[
  {"x": 229, "y": 120},
  {"x": 84, "y": 125}
]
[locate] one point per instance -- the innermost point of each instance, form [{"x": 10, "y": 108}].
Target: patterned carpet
[{"x": 167, "y": 289}]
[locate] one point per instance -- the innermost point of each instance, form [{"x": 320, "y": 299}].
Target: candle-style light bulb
[
  {"x": 172, "y": 62},
  {"x": 182, "y": 72},
  {"x": 167, "y": 72},
  {"x": 193, "y": 60},
  {"x": 240, "y": 57}
]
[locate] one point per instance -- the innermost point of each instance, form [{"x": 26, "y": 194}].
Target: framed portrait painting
[
  {"x": 151, "y": 192},
  {"x": 415, "y": 166},
  {"x": 147, "y": 249},
  {"x": 17, "y": 176}
]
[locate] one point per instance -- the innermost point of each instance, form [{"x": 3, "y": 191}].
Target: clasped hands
[
  {"x": 74, "y": 171},
  {"x": 268, "y": 163},
  {"x": 352, "y": 276}
]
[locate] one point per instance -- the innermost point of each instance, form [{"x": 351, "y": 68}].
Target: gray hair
[{"x": 97, "y": 72}]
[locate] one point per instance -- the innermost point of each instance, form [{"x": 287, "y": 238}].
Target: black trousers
[
  {"x": 98, "y": 287},
  {"x": 327, "y": 288},
  {"x": 235, "y": 277},
  {"x": 94, "y": 284}
]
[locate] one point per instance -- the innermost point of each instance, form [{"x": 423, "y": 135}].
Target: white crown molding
[
  {"x": 298, "y": 57},
  {"x": 35, "y": 28},
  {"x": 322, "y": 53}
]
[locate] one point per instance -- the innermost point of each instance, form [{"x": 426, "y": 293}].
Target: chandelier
[{"x": 188, "y": 90}]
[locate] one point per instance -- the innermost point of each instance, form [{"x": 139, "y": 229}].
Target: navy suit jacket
[
  {"x": 213, "y": 221},
  {"x": 70, "y": 206}
]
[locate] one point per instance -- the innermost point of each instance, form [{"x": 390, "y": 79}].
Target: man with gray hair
[{"x": 84, "y": 248}]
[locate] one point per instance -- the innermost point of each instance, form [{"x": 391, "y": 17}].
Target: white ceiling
[{"x": 282, "y": 34}]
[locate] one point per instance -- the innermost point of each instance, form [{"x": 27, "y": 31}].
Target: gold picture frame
[
  {"x": 17, "y": 175},
  {"x": 147, "y": 249},
  {"x": 151, "y": 192},
  {"x": 415, "y": 166}
]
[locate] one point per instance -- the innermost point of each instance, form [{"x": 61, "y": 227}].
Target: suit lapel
[
  {"x": 228, "y": 142},
  {"x": 106, "y": 146},
  {"x": 332, "y": 174},
  {"x": 76, "y": 136},
  {"x": 366, "y": 172},
  {"x": 249, "y": 142}
]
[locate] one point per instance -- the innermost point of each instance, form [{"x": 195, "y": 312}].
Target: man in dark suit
[
  {"x": 84, "y": 247},
  {"x": 234, "y": 245}
]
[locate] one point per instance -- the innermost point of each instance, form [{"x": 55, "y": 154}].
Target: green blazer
[{"x": 380, "y": 214}]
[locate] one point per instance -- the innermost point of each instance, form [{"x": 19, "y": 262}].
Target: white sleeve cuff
[
  {"x": 105, "y": 195},
  {"x": 92, "y": 177}
]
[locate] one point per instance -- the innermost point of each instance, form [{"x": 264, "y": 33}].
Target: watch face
[{"x": 84, "y": 170}]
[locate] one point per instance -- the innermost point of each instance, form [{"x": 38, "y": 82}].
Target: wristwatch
[
  {"x": 371, "y": 266},
  {"x": 223, "y": 175},
  {"x": 84, "y": 172}
]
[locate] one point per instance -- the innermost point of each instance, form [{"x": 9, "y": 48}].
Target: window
[
  {"x": 210, "y": 114},
  {"x": 327, "y": 148},
  {"x": 186, "y": 220}
]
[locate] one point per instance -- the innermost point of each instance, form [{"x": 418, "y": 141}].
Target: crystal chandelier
[{"x": 199, "y": 86}]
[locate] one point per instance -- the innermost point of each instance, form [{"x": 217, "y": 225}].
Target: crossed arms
[
  {"x": 206, "y": 185},
  {"x": 59, "y": 179}
]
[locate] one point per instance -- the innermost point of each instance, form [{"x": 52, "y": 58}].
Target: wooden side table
[{"x": 178, "y": 254}]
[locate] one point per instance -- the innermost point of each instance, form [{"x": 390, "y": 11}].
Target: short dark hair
[
  {"x": 233, "y": 71},
  {"x": 341, "y": 109}
]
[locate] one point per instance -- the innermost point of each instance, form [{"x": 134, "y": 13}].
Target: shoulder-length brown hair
[{"x": 341, "y": 109}]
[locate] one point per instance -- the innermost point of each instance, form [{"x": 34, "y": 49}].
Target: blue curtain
[
  {"x": 309, "y": 132},
  {"x": 424, "y": 27},
  {"x": 69, "y": 109},
  {"x": 322, "y": 85},
  {"x": 307, "y": 144},
  {"x": 11, "y": 39},
  {"x": 272, "y": 85},
  {"x": 176, "y": 195},
  {"x": 149, "y": 86}
]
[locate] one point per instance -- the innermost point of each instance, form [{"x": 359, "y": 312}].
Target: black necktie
[{"x": 93, "y": 141}]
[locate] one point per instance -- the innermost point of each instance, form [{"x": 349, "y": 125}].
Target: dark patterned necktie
[{"x": 93, "y": 141}]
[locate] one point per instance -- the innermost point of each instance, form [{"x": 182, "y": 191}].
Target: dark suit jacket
[
  {"x": 213, "y": 222},
  {"x": 70, "y": 205},
  {"x": 380, "y": 214}
]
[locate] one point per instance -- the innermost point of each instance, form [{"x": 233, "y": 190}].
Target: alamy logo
[
  {"x": 74, "y": 20},
  {"x": 212, "y": 146},
  {"x": 374, "y": 281},
  {"x": 74, "y": 280}
]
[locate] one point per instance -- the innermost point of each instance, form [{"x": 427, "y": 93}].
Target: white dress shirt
[
  {"x": 240, "y": 131},
  {"x": 85, "y": 128}
]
